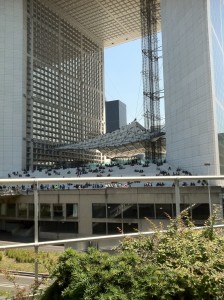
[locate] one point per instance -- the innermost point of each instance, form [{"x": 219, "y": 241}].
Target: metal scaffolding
[{"x": 150, "y": 19}]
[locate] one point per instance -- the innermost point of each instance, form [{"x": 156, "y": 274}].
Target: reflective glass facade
[{"x": 217, "y": 39}]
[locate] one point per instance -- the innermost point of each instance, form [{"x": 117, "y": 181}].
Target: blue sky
[{"x": 123, "y": 79}]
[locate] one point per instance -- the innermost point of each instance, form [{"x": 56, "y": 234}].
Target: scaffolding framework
[{"x": 150, "y": 19}]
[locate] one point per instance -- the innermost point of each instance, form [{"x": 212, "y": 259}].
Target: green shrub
[
  {"x": 0, "y": 256},
  {"x": 28, "y": 256},
  {"x": 179, "y": 264},
  {"x": 21, "y": 255}
]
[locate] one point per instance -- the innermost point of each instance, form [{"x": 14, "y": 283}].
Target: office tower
[{"x": 116, "y": 115}]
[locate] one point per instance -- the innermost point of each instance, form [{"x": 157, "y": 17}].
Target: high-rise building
[
  {"x": 116, "y": 115},
  {"x": 51, "y": 87},
  {"x": 193, "y": 59},
  {"x": 52, "y": 78}
]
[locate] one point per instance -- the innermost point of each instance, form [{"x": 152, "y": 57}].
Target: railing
[
  {"x": 95, "y": 238},
  {"x": 36, "y": 245},
  {"x": 37, "y": 181}
]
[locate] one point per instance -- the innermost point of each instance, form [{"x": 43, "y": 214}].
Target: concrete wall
[
  {"x": 191, "y": 138},
  {"x": 85, "y": 198},
  {"x": 12, "y": 78}
]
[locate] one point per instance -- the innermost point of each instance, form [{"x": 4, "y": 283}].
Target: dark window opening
[
  {"x": 59, "y": 227},
  {"x": 45, "y": 210},
  {"x": 130, "y": 227},
  {"x": 11, "y": 210},
  {"x": 114, "y": 228},
  {"x": 71, "y": 211},
  {"x": 114, "y": 210},
  {"x": 57, "y": 211},
  {"x": 130, "y": 211},
  {"x": 99, "y": 210},
  {"x": 99, "y": 228},
  {"x": 146, "y": 211},
  {"x": 164, "y": 211}
]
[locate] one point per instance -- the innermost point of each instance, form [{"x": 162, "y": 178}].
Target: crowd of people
[{"x": 99, "y": 170}]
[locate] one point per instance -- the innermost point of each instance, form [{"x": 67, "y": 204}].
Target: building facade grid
[{"x": 65, "y": 87}]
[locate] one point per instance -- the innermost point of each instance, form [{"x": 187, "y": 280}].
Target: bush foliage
[
  {"x": 47, "y": 259},
  {"x": 21, "y": 255},
  {"x": 181, "y": 263}
]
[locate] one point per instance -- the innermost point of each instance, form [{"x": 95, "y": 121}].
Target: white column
[
  {"x": 12, "y": 85},
  {"x": 191, "y": 137}
]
